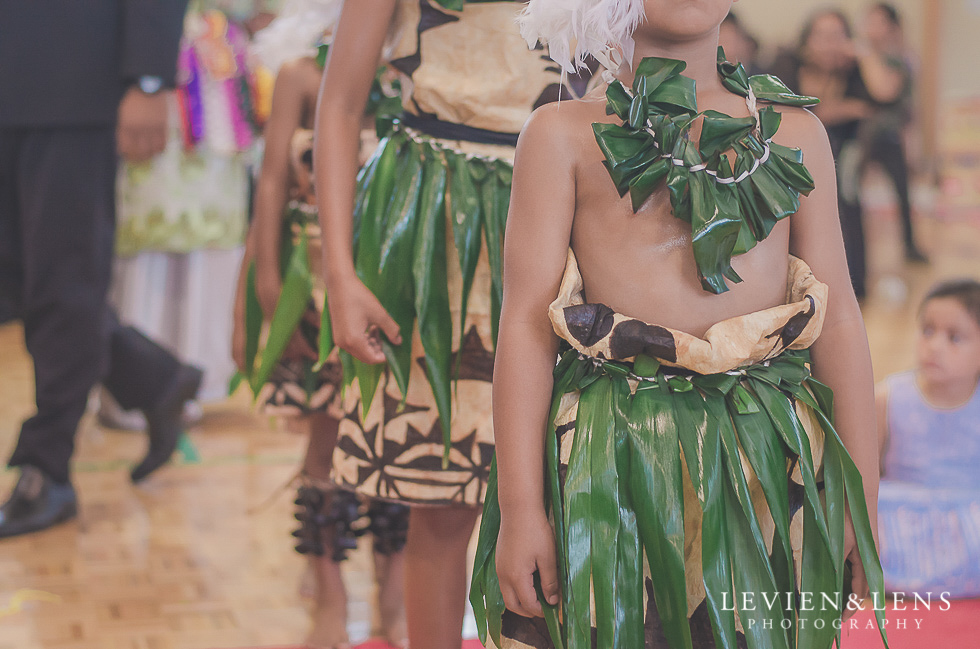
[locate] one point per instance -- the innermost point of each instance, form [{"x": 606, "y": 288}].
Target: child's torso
[
  {"x": 928, "y": 446},
  {"x": 642, "y": 264}
]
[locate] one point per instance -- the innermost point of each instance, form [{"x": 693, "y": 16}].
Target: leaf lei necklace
[{"x": 731, "y": 207}]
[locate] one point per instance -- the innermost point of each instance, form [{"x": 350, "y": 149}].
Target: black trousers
[
  {"x": 57, "y": 227},
  {"x": 847, "y": 155},
  {"x": 886, "y": 148}
]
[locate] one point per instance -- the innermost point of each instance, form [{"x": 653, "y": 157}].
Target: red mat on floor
[
  {"x": 932, "y": 628},
  {"x": 925, "y": 628}
]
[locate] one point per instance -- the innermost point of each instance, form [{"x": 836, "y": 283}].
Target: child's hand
[
  {"x": 357, "y": 318},
  {"x": 525, "y": 545},
  {"x": 141, "y": 128}
]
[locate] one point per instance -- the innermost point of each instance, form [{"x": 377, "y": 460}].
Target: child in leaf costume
[
  {"x": 680, "y": 465},
  {"x": 412, "y": 263},
  {"x": 279, "y": 283}
]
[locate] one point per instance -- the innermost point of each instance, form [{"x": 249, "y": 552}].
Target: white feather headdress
[
  {"x": 296, "y": 31},
  {"x": 574, "y": 29}
]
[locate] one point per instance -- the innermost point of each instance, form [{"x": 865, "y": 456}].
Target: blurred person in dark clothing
[
  {"x": 80, "y": 82},
  {"x": 883, "y": 134},
  {"x": 851, "y": 85}
]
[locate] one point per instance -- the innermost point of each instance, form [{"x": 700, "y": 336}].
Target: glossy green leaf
[
  {"x": 325, "y": 342},
  {"x": 784, "y": 420},
  {"x": 751, "y": 576},
  {"x": 614, "y": 600},
  {"x": 367, "y": 261},
  {"x": 645, "y": 365},
  {"x": 657, "y": 118},
  {"x": 732, "y": 455},
  {"x": 253, "y": 322},
  {"x": 647, "y": 181},
  {"x": 815, "y": 578},
  {"x": 718, "y": 131},
  {"x": 656, "y": 70},
  {"x": 396, "y": 289},
  {"x": 769, "y": 88},
  {"x": 578, "y": 512},
  {"x": 784, "y": 162},
  {"x": 677, "y": 96},
  {"x": 769, "y": 121},
  {"x": 767, "y": 457},
  {"x": 297, "y": 289},
  {"x": 715, "y": 234},
  {"x": 702, "y": 450},
  {"x": 639, "y": 108},
  {"x": 495, "y": 197},
  {"x": 467, "y": 219},
  {"x": 657, "y": 496},
  {"x": 857, "y": 506},
  {"x": 619, "y": 144},
  {"x": 618, "y": 100},
  {"x": 752, "y": 570},
  {"x": 432, "y": 289},
  {"x": 483, "y": 560},
  {"x": 236, "y": 381},
  {"x": 733, "y": 75}
]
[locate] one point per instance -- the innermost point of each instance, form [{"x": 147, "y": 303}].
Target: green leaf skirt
[
  {"x": 690, "y": 509},
  {"x": 429, "y": 220}
]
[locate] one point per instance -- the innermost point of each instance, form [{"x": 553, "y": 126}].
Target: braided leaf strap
[{"x": 732, "y": 186}]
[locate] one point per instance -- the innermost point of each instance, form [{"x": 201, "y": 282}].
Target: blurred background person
[
  {"x": 304, "y": 398},
  {"x": 929, "y": 432},
  {"x": 182, "y": 215},
  {"x": 884, "y": 132},
  {"x": 851, "y": 85},
  {"x": 104, "y": 67}
]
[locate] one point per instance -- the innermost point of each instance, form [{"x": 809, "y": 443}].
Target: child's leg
[
  {"x": 329, "y": 623},
  {"x": 389, "y": 527},
  {"x": 389, "y": 571},
  {"x": 435, "y": 575}
]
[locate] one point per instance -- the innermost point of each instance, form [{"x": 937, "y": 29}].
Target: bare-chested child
[{"x": 668, "y": 425}]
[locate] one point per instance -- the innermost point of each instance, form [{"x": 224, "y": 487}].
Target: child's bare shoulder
[
  {"x": 800, "y": 128},
  {"x": 563, "y": 128}
]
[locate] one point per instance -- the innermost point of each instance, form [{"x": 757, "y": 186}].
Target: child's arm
[
  {"x": 841, "y": 357},
  {"x": 355, "y": 312},
  {"x": 537, "y": 238},
  {"x": 881, "y": 411},
  {"x": 285, "y": 117}
]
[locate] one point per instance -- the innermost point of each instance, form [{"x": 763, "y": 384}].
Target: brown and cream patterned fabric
[
  {"x": 596, "y": 330},
  {"x": 469, "y": 67},
  {"x": 395, "y": 453},
  {"x": 295, "y": 390}
]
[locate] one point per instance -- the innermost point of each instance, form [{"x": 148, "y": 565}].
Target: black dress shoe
[
  {"x": 37, "y": 503},
  {"x": 164, "y": 422}
]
